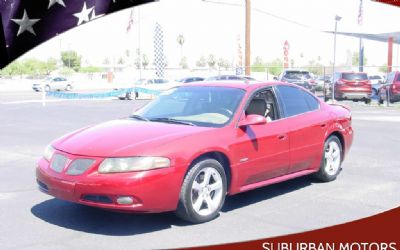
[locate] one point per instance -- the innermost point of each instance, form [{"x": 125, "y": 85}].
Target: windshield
[
  {"x": 297, "y": 75},
  {"x": 354, "y": 76},
  {"x": 198, "y": 105}
]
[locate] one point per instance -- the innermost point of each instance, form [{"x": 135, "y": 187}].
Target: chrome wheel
[
  {"x": 332, "y": 158},
  {"x": 207, "y": 191}
]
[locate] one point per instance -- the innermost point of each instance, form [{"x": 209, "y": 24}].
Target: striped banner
[{"x": 100, "y": 95}]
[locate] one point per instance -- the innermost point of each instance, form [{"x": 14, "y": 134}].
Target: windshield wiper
[
  {"x": 138, "y": 117},
  {"x": 171, "y": 120}
]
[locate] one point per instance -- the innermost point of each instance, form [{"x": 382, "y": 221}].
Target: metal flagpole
[{"x": 139, "y": 44}]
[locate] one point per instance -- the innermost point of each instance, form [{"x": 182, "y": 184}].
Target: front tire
[
  {"x": 331, "y": 160},
  {"x": 203, "y": 192}
]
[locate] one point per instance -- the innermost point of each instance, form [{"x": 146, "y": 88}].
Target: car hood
[{"x": 125, "y": 137}]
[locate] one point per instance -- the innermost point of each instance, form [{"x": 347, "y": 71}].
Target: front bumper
[{"x": 152, "y": 191}]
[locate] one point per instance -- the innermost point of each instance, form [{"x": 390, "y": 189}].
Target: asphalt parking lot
[{"x": 369, "y": 184}]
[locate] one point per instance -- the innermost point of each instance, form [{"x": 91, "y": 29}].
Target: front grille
[{"x": 97, "y": 198}]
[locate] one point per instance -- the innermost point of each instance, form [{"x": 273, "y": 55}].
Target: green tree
[
  {"x": 145, "y": 61},
  {"x": 258, "y": 65},
  {"x": 211, "y": 61},
  {"x": 184, "y": 63},
  {"x": 355, "y": 59},
  {"x": 275, "y": 67},
  {"x": 71, "y": 59},
  {"x": 201, "y": 62},
  {"x": 90, "y": 69},
  {"x": 106, "y": 61},
  {"x": 181, "y": 40},
  {"x": 51, "y": 65},
  {"x": 121, "y": 61},
  {"x": 315, "y": 67},
  {"x": 383, "y": 69}
]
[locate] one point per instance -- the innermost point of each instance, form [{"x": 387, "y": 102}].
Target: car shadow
[
  {"x": 97, "y": 221},
  {"x": 261, "y": 194}
]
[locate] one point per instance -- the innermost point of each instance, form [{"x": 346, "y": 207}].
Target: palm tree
[{"x": 180, "y": 40}]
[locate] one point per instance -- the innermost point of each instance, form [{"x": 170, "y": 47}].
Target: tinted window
[
  {"x": 374, "y": 77},
  {"x": 354, "y": 76},
  {"x": 293, "y": 100},
  {"x": 312, "y": 102},
  {"x": 297, "y": 75},
  {"x": 390, "y": 77}
]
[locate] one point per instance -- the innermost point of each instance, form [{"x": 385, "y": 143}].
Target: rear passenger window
[
  {"x": 312, "y": 102},
  {"x": 294, "y": 102}
]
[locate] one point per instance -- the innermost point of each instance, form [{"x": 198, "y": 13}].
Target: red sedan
[{"x": 195, "y": 144}]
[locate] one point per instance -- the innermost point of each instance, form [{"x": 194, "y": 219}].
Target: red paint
[
  {"x": 258, "y": 155},
  {"x": 390, "y": 54},
  {"x": 352, "y": 89}
]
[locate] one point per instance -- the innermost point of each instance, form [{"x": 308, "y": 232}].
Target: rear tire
[
  {"x": 331, "y": 160},
  {"x": 47, "y": 88},
  {"x": 367, "y": 101},
  {"x": 68, "y": 88},
  {"x": 128, "y": 96},
  {"x": 203, "y": 192}
]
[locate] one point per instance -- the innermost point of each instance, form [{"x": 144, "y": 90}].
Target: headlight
[
  {"x": 117, "y": 165},
  {"x": 48, "y": 152},
  {"x": 79, "y": 166}
]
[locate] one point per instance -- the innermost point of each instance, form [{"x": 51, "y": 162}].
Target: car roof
[
  {"x": 246, "y": 85},
  {"x": 352, "y": 72}
]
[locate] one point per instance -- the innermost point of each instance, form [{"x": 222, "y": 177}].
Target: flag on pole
[
  {"x": 130, "y": 22},
  {"x": 360, "y": 13},
  {"x": 24, "y": 24}
]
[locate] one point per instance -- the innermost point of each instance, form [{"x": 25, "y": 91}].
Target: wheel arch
[{"x": 221, "y": 158}]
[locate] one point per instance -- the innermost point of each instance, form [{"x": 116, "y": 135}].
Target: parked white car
[
  {"x": 157, "y": 84},
  {"x": 53, "y": 83}
]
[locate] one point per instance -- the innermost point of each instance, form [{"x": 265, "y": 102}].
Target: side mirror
[
  {"x": 275, "y": 78},
  {"x": 252, "y": 120}
]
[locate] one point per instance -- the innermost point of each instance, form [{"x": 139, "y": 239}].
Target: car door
[
  {"x": 262, "y": 151},
  {"x": 307, "y": 127}
]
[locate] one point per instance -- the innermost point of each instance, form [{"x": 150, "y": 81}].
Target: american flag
[
  {"x": 28, "y": 23},
  {"x": 360, "y": 13}
]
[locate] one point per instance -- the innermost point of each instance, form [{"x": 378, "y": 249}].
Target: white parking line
[
  {"x": 55, "y": 100},
  {"x": 378, "y": 118}
]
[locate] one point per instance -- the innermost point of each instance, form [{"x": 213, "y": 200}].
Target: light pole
[
  {"x": 337, "y": 19},
  {"x": 247, "y": 39}
]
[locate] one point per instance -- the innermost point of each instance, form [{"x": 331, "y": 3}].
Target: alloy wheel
[
  {"x": 207, "y": 191},
  {"x": 332, "y": 158}
]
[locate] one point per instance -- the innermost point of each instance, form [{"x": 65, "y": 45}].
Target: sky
[{"x": 211, "y": 27}]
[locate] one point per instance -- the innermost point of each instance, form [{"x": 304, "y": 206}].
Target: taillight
[
  {"x": 312, "y": 81},
  {"x": 393, "y": 87}
]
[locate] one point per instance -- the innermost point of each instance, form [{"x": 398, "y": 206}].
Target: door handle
[
  {"x": 323, "y": 125},
  {"x": 281, "y": 137}
]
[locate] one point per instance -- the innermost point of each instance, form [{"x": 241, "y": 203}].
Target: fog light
[{"x": 125, "y": 200}]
